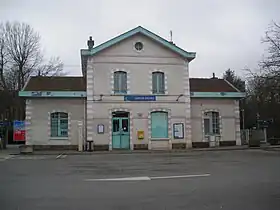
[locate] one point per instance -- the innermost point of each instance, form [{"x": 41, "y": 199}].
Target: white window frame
[
  {"x": 127, "y": 81},
  {"x": 138, "y": 51},
  {"x": 68, "y": 137},
  {"x": 151, "y": 81},
  {"x": 158, "y": 90},
  {"x": 211, "y": 123}
]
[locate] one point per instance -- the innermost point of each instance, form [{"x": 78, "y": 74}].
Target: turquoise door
[{"x": 120, "y": 133}]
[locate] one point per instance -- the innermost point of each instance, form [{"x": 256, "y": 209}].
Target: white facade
[
  {"x": 206, "y": 121},
  {"x": 139, "y": 67},
  {"x": 38, "y": 120}
]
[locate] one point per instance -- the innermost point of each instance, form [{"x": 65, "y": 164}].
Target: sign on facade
[
  {"x": 178, "y": 130},
  {"x": 139, "y": 98},
  {"x": 36, "y": 93},
  {"x": 19, "y": 130},
  {"x": 100, "y": 129},
  {"x": 140, "y": 134}
]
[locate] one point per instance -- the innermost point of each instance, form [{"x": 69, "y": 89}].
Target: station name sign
[{"x": 140, "y": 98}]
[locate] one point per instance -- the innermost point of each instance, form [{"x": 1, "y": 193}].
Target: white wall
[
  {"x": 139, "y": 67},
  {"x": 177, "y": 111},
  {"x": 226, "y": 108},
  {"x": 39, "y": 128}
]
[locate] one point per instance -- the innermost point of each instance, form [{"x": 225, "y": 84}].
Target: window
[
  {"x": 211, "y": 123},
  {"x": 158, "y": 83},
  {"x": 120, "y": 82},
  {"x": 159, "y": 122},
  {"x": 59, "y": 124},
  {"x": 138, "y": 46}
]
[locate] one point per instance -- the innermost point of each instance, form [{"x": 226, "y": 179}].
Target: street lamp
[{"x": 243, "y": 118}]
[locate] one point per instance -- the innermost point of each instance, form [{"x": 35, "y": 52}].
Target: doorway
[{"x": 120, "y": 130}]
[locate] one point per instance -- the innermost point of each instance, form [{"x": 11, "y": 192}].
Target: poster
[
  {"x": 100, "y": 128},
  {"x": 178, "y": 130},
  {"x": 19, "y": 130}
]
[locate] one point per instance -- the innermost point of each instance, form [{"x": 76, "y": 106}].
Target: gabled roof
[
  {"x": 55, "y": 84},
  {"x": 78, "y": 84},
  {"x": 187, "y": 55}
]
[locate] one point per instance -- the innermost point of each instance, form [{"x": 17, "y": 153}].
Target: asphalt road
[{"x": 226, "y": 180}]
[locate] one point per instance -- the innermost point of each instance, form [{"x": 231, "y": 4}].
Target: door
[{"x": 120, "y": 133}]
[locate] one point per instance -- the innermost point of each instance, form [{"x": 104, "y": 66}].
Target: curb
[
  {"x": 69, "y": 152},
  {"x": 137, "y": 151}
]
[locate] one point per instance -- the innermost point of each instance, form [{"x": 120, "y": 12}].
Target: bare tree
[
  {"x": 22, "y": 55},
  {"x": 271, "y": 63},
  {"x": 3, "y": 58},
  {"x": 53, "y": 68}
]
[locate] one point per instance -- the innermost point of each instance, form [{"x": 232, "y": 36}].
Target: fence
[{"x": 249, "y": 134}]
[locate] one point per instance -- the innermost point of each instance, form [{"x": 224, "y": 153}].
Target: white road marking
[
  {"x": 63, "y": 156},
  {"x": 57, "y": 157},
  {"x": 141, "y": 178},
  {"x": 180, "y": 176},
  {"x": 9, "y": 157},
  {"x": 31, "y": 158},
  {"x": 6, "y": 158},
  {"x": 146, "y": 178}
]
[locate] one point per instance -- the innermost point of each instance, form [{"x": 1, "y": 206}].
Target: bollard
[{"x": 89, "y": 146}]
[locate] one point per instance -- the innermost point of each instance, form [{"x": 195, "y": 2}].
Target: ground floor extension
[
  {"x": 62, "y": 113},
  {"x": 63, "y": 123}
]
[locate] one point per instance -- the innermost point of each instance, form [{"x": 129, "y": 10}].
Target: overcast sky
[{"x": 224, "y": 33}]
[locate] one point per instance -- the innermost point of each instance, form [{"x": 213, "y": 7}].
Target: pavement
[
  {"x": 238, "y": 179},
  {"x": 14, "y": 150}
]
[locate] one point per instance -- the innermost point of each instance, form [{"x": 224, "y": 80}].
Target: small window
[
  {"x": 120, "y": 82},
  {"x": 158, "y": 83},
  {"x": 159, "y": 122},
  {"x": 211, "y": 123},
  {"x": 138, "y": 46},
  {"x": 59, "y": 124}
]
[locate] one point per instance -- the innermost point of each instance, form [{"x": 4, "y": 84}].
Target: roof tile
[
  {"x": 210, "y": 85},
  {"x": 78, "y": 84},
  {"x": 56, "y": 84}
]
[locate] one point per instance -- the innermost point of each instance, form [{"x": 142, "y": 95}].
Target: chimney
[
  {"x": 214, "y": 77},
  {"x": 90, "y": 43}
]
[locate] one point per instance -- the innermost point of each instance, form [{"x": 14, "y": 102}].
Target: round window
[{"x": 138, "y": 46}]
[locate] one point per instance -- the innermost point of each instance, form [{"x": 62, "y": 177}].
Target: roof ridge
[
  {"x": 205, "y": 78},
  {"x": 56, "y": 76},
  {"x": 230, "y": 84},
  {"x": 139, "y": 29}
]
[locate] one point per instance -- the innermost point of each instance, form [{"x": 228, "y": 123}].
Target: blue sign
[
  {"x": 3, "y": 123},
  {"x": 36, "y": 93},
  {"x": 140, "y": 98},
  {"x": 18, "y": 125}
]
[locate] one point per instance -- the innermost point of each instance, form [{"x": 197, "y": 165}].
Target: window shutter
[
  {"x": 116, "y": 82},
  {"x": 158, "y": 83},
  {"x": 161, "y": 83},
  {"x": 154, "y": 83},
  {"x": 120, "y": 82},
  {"x": 54, "y": 124},
  {"x": 215, "y": 122},
  {"x": 123, "y": 82},
  {"x": 206, "y": 126}
]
